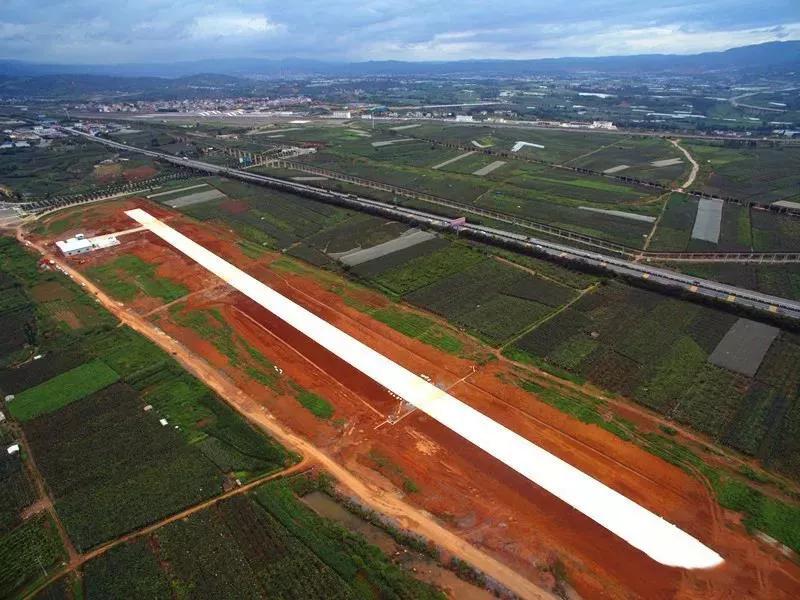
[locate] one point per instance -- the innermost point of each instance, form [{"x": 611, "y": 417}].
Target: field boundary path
[
  {"x": 377, "y": 499},
  {"x": 80, "y": 559},
  {"x": 45, "y": 501},
  {"x": 695, "y": 167}
]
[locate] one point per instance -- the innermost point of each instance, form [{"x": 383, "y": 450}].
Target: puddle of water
[
  {"x": 327, "y": 507},
  {"x": 423, "y": 567}
]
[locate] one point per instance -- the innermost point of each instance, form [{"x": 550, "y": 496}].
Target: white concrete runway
[{"x": 650, "y": 533}]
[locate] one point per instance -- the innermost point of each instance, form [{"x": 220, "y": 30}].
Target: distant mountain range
[{"x": 761, "y": 56}]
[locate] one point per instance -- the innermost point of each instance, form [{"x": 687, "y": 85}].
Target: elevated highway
[{"x": 622, "y": 266}]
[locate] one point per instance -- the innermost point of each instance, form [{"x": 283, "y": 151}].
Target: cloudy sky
[{"x": 108, "y": 31}]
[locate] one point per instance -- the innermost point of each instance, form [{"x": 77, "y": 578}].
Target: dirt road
[
  {"x": 45, "y": 502},
  {"x": 77, "y": 560},
  {"x": 379, "y": 500},
  {"x": 695, "y": 167}
]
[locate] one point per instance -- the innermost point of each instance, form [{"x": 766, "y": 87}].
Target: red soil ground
[
  {"x": 139, "y": 173},
  {"x": 235, "y": 207},
  {"x": 470, "y": 492}
]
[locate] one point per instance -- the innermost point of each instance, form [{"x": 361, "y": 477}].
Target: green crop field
[
  {"x": 268, "y": 217},
  {"x": 263, "y": 545},
  {"x": 372, "y": 269},
  {"x": 761, "y": 173},
  {"x": 638, "y": 153},
  {"x": 455, "y": 186},
  {"x": 559, "y": 146},
  {"x": 535, "y": 191},
  {"x": 424, "y": 270},
  {"x": 674, "y": 230},
  {"x": 315, "y": 404},
  {"x": 130, "y": 570},
  {"x": 39, "y": 311},
  {"x": 204, "y": 445},
  {"x": 491, "y": 299},
  {"x": 358, "y": 231},
  {"x": 62, "y": 390},
  {"x": 775, "y": 233},
  {"x": 655, "y": 350},
  {"x": 29, "y": 553},
  {"x": 16, "y": 491},
  {"x": 110, "y": 465},
  {"x": 419, "y": 327},
  {"x": 778, "y": 280},
  {"x": 17, "y": 319},
  {"x": 63, "y": 167}
]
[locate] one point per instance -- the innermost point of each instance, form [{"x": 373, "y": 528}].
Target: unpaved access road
[{"x": 695, "y": 167}]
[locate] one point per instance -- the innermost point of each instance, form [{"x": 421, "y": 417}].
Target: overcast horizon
[{"x": 94, "y": 32}]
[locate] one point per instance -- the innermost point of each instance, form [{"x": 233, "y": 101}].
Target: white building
[
  {"x": 464, "y": 119},
  {"x": 603, "y": 125},
  {"x": 341, "y": 114},
  {"x": 76, "y": 245}
]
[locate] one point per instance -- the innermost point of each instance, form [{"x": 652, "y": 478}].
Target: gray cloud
[{"x": 99, "y": 31}]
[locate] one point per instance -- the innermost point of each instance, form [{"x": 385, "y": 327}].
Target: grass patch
[
  {"x": 419, "y": 327},
  {"x": 775, "y": 518},
  {"x": 317, "y": 405},
  {"x": 62, "y": 390},
  {"x": 585, "y": 409},
  {"x": 125, "y": 276}
]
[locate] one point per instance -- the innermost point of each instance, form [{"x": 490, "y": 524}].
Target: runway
[{"x": 641, "y": 528}]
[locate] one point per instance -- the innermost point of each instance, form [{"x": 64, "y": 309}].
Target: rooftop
[{"x": 73, "y": 244}]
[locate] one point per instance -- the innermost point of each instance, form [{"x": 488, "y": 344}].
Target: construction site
[{"x": 393, "y": 450}]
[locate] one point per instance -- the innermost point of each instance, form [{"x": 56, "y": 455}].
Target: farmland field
[
  {"x": 32, "y": 324},
  {"x": 63, "y": 167},
  {"x": 553, "y": 196},
  {"x": 775, "y": 232},
  {"x": 638, "y": 153},
  {"x": 28, "y": 553},
  {"x": 491, "y": 299},
  {"x": 559, "y": 146},
  {"x": 268, "y": 217},
  {"x": 762, "y": 173},
  {"x": 113, "y": 467},
  {"x": 16, "y": 490},
  {"x": 110, "y": 464},
  {"x": 62, "y": 390},
  {"x": 263, "y": 545},
  {"x": 533, "y": 190},
  {"x": 17, "y": 319},
  {"x": 424, "y": 270},
  {"x": 778, "y": 280},
  {"x": 655, "y": 350}
]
